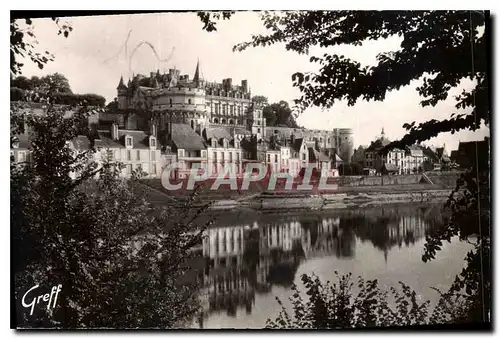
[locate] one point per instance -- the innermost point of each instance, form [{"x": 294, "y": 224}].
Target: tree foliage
[
  {"x": 118, "y": 259},
  {"x": 23, "y": 42},
  {"x": 439, "y": 48},
  {"x": 54, "y": 88},
  {"x": 209, "y": 19},
  {"x": 279, "y": 114},
  {"x": 337, "y": 305},
  {"x": 470, "y": 203},
  {"x": 260, "y": 99}
]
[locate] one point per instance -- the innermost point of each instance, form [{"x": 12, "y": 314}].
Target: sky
[{"x": 93, "y": 59}]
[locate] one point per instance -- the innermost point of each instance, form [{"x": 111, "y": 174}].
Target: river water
[{"x": 249, "y": 259}]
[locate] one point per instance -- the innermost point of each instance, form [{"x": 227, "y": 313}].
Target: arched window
[
  {"x": 231, "y": 122},
  {"x": 189, "y": 101},
  {"x": 216, "y": 121},
  {"x": 192, "y": 124},
  {"x": 223, "y": 121}
]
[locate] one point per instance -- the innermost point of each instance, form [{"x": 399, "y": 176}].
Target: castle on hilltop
[{"x": 190, "y": 121}]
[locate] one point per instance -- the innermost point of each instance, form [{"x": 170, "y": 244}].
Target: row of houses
[
  {"x": 412, "y": 159},
  {"x": 215, "y": 148}
]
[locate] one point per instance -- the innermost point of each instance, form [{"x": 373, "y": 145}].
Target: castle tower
[
  {"x": 122, "y": 94},
  {"x": 344, "y": 143}
]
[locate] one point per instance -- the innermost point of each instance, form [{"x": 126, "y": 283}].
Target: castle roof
[
  {"x": 196, "y": 77},
  {"x": 121, "y": 85}
]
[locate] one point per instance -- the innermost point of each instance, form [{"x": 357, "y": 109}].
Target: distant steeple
[
  {"x": 383, "y": 133},
  {"x": 121, "y": 85},
  {"x": 196, "y": 77}
]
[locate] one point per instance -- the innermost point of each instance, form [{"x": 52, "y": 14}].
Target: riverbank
[
  {"x": 294, "y": 201},
  {"x": 343, "y": 197}
]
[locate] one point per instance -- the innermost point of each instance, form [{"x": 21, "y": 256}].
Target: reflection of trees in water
[{"x": 391, "y": 227}]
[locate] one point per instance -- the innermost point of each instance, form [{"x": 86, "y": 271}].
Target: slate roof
[
  {"x": 441, "y": 154},
  {"x": 217, "y": 132},
  {"x": 140, "y": 139},
  {"x": 243, "y": 131},
  {"x": 378, "y": 144},
  {"x": 428, "y": 152},
  {"x": 391, "y": 167},
  {"x": 415, "y": 151},
  {"x": 297, "y": 144},
  {"x": 184, "y": 137},
  {"x": 315, "y": 155}
]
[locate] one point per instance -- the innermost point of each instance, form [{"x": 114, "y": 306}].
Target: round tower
[{"x": 344, "y": 143}]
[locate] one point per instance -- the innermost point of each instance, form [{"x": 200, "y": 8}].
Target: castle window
[
  {"x": 129, "y": 169},
  {"x": 189, "y": 101},
  {"x": 223, "y": 109},
  {"x": 152, "y": 142},
  {"x": 170, "y": 102},
  {"x": 214, "y": 142},
  {"x": 129, "y": 155},
  {"x": 138, "y": 155},
  {"x": 258, "y": 130}
]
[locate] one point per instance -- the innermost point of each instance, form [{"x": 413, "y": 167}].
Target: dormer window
[
  {"x": 15, "y": 142},
  {"x": 128, "y": 141},
  {"x": 152, "y": 142},
  {"x": 214, "y": 142}
]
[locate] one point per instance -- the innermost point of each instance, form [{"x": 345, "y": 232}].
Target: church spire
[{"x": 383, "y": 133}]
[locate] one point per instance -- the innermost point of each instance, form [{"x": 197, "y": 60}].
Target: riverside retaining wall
[{"x": 383, "y": 180}]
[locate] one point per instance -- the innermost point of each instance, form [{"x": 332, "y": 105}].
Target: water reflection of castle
[{"x": 243, "y": 260}]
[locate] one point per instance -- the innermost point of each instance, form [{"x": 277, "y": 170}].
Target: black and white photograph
[{"x": 195, "y": 169}]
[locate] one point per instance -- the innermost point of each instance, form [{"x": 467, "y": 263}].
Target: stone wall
[{"x": 376, "y": 180}]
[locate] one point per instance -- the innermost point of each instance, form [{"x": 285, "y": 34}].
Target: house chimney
[
  {"x": 114, "y": 131},
  {"x": 152, "y": 128}
]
